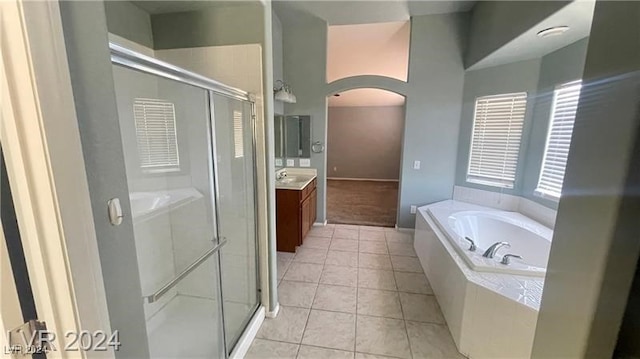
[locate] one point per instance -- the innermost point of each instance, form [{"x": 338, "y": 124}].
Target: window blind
[
  {"x": 563, "y": 115},
  {"x": 495, "y": 139},
  {"x": 238, "y": 138},
  {"x": 156, "y": 136}
]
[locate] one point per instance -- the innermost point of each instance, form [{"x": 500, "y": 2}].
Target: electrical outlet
[
  {"x": 335, "y": 169},
  {"x": 416, "y": 165},
  {"x": 414, "y": 209}
]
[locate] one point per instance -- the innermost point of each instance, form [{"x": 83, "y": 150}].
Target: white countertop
[{"x": 296, "y": 179}]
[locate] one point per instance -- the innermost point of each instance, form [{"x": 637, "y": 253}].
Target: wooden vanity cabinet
[{"x": 295, "y": 215}]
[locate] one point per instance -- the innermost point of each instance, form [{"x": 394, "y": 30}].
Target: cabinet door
[
  {"x": 313, "y": 211},
  {"x": 306, "y": 216}
]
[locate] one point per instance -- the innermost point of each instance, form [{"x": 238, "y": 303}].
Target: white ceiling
[
  {"x": 369, "y": 49},
  {"x": 366, "y": 11},
  {"x": 577, "y": 15},
  {"x": 366, "y": 97},
  {"x": 170, "y": 6}
]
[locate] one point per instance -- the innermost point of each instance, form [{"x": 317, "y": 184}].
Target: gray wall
[
  {"x": 129, "y": 21},
  {"x": 494, "y": 23},
  {"x": 556, "y": 68},
  {"x": 538, "y": 78},
  {"x": 365, "y": 142},
  {"x": 305, "y": 63},
  {"x": 221, "y": 25},
  {"x": 278, "y": 72},
  {"x": 595, "y": 246},
  {"x": 520, "y": 76},
  {"x": 85, "y": 33},
  {"x": 433, "y": 100}
]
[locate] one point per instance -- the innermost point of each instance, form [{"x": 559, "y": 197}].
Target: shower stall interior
[{"x": 189, "y": 145}]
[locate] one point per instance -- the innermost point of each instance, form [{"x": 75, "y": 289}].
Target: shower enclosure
[{"x": 188, "y": 143}]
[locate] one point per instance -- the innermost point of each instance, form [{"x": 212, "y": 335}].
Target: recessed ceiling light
[
  {"x": 552, "y": 31},
  {"x": 337, "y": 95}
]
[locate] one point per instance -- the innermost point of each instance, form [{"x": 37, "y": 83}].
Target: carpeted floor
[{"x": 362, "y": 202}]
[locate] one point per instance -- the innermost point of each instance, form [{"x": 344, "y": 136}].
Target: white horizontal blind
[
  {"x": 495, "y": 140},
  {"x": 563, "y": 115},
  {"x": 238, "y": 139},
  {"x": 156, "y": 136}
]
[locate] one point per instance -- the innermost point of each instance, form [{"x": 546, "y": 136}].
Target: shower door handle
[{"x": 167, "y": 287}]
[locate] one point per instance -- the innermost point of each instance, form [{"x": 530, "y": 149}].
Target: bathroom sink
[{"x": 288, "y": 180}]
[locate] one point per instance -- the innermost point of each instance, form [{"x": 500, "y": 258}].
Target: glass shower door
[
  {"x": 166, "y": 137},
  {"x": 235, "y": 170}
]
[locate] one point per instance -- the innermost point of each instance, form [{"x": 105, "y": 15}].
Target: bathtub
[
  {"x": 486, "y": 226},
  {"x": 146, "y": 205},
  {"x": 491, "y": 309}
]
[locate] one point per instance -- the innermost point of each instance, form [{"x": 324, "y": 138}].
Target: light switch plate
[
  {"x": 305, "y": 162},
  {"x": 291, "y": 163},
  {"x": 279, "y": 162},
  {"x": 413, "y": 209},
  {"x": 416, "y": 165}
]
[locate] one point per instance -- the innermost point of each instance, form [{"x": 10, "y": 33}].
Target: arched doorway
[{"x": 364, "y": 150}]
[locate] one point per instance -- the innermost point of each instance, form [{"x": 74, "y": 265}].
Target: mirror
[
  {"x": 279, "y": 141},
  {"x": 298, "y": 136}
]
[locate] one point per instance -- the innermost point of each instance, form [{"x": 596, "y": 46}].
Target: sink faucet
[
  {"x": 491, "y": 251},
  {"x": 281, "y": 175}
]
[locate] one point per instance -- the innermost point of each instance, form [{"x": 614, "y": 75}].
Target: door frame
[{"x": 40, "y": 137}]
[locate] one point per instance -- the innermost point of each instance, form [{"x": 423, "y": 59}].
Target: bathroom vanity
[{"x": 296, "y": 199}]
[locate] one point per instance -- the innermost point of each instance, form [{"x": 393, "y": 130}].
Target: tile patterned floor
[{"x": 354, "y": 292}]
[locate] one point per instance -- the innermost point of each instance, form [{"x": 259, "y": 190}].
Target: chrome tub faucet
[{"x": 491, "y": 251}]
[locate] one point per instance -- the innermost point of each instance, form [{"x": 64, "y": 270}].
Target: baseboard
[
  {"x": 362, "y": 179},
  {"x": 274, "y": 312},
  {"x": 320, "y": 224},
  {"x": 242, "y": 347}
]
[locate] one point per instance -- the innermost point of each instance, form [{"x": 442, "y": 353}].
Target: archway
[{"x": 365, "y": 128}]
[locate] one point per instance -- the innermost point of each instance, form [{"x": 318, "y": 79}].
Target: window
[
  {"x": 238, "y": 139},
  {"x": 156, "y": 136},
  {"x": 495, "y": 140},
  {"x": 563, "y": 115}
]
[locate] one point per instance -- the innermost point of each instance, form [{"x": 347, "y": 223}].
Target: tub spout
[{"x": 491, "y": 251}]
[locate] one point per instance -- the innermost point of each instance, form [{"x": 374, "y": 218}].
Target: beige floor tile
[
  {"x": 401, "y": 249},
  {"x": 308, "y": 352},
  {"x": 345, "y": 245},
  {"x": 330, "y": 330},
  {"x": 368, "y": 235},
  {"x": 379, "y": 303},
  {"x": 382, "y": 336},
  {"x": 406, "y": 264},
  {"x": 373, "y": 247},
  {"x": 374, "y": 261},
  {"x": 346, "y": 233},
  {"x": 431, "y": 341},
  {"x": 296, "y": 294},
  {"x": 304, "y": 272},
  {"x": 310, "y": 255},
  {"x": 288, "y": 326},
  {"x": 411, "y": 283},
  {"x": 397, "y": 236},
  {"x": 283, "y": 265},
  {"x": 346, "y": 226},
  {"x": 421, "y": 308},
  {"x": 335, "y": 298},
  {"x": 316, "y": 242},
  {"x": 340, "y": 258},
  {"x": 347, "y": 276},
  {"x": 285, "y": 256},
  {"x": 371, "y": 356},
  {"x": 268, "y": 349},
  {"x": 376, "y": 279},
  {"x": 318, "y": 231},
  {"x": 372, "y": 228}
]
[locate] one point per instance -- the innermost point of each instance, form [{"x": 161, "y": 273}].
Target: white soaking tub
[
  {"x": 490, "y": 308},
  {"x": 526, "y": 238}
]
